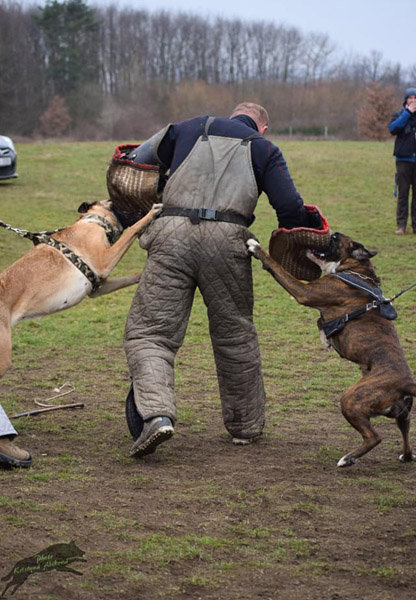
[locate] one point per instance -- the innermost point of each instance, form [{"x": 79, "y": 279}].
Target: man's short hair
[{"x": 257, "y": 112}]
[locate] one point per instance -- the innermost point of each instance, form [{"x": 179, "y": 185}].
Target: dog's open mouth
[
  {"x": 317, "y": 253},
  {"x": 317, "y": 256},
  {"x": 325, "y": 255}
]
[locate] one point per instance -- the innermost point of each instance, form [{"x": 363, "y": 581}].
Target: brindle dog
[{"x": 387, "y": 386}]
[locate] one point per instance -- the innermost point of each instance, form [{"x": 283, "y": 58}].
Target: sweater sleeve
[
  {"x": 399, "y": 121},
  {"x": 277, "y": 183}
]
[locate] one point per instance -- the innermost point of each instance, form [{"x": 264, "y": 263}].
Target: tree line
[{"x": 93, "y": 72}]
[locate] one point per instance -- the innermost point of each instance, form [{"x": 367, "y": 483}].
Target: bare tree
[
  {"x": 22, "y": 87},
  {"x": 412, "y": 72},
  {"x": 125, "y": 71},
  {"x": 290, "y": 47},
  {"x": 314, "y": 59}
]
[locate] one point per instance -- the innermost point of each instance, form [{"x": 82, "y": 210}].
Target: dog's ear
[
  {"x": 85, "y": 207},
  {"x": 359, "y": 252}
]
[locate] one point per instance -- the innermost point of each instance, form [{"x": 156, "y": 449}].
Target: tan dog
[
  {"x": 367, "y": 337},
  {"x": 44, "y": 281}
]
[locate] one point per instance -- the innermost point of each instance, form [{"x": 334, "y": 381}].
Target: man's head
[
  {"x": 409, "y": 94},
  {"x": 256, "y": 112}
]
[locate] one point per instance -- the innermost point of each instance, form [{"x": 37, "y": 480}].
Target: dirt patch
[{"x": 202, "y": 518}]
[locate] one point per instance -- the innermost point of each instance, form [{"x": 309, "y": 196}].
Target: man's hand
[
  {"x": 315, "y": 221},
  {"x": 411, "y": 105}
]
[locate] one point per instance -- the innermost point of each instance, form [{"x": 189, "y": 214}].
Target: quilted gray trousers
[
  {"x": 181, "y": 257},
  {"x": 6, "y": 428}
]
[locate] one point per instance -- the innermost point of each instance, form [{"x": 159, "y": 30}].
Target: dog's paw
[
  {"x": 157, "y": 209},
  {"x": 253, "y": 247},
  {"x": 346, "y": 461},
  {"x": 403, "y": 458}
]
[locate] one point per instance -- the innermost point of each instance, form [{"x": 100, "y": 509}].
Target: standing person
[
  {"x": 10, "y": 454},
  {"x": 403, "y": 126},
  {"x": 218, "y": 168}
]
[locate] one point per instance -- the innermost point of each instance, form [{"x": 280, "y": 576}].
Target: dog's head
[
  {"x": 105, "y": 206},
  {"x": 103, "y": 209},
  {"x": 340, "y": 249},
  {"x": 106, "y": 209}
]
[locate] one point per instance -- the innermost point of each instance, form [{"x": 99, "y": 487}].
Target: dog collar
[{"x": 111, "y": 232}]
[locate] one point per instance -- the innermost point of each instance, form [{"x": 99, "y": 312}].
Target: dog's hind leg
[
  {"x": 5, "y": 348},
  {"x": 354, "y": 414},
  {"x": 403, "y": 423}
]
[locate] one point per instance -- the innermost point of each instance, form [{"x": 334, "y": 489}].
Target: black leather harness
[
  {"x": 44, "y": 237},
  {"x": 387, "y": 310}
]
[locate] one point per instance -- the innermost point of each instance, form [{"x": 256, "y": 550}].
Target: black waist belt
[{"x": 205, "y": 214}]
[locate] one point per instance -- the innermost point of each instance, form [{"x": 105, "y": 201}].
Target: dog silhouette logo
[{"x": 56, "y": 557}]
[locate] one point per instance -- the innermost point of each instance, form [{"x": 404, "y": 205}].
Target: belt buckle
[
  {"x": 371, "y": 305},
  {"x": 207, "y": 214}
]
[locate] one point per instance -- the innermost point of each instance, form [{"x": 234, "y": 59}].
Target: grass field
[{"x": 200, "y": 518}]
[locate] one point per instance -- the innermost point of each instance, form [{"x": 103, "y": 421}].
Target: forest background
[{"x": 87, "y": 72}]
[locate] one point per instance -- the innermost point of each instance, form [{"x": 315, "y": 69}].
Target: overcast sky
[{"x": 355, "y": 26}]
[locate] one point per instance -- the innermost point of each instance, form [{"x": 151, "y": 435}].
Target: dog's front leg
[
  {"x": 300, "y": 291},
  {"x": 112, "y": 285},
  {"x": 112, "y": 256}
]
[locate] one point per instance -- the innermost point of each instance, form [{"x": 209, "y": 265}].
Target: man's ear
[
  {"x": 85, "y": 207},
  {"x": 359, "y": 252}
]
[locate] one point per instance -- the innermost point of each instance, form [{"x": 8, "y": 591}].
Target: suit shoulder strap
[{"x": 208, "y": 124}]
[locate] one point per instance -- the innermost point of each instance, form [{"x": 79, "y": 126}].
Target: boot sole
[
  {"x": 163, "y": 434},
  {"x": 9, "y": 461}
]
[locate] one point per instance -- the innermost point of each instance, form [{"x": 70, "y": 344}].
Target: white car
[{"x": 8, "y": 158}]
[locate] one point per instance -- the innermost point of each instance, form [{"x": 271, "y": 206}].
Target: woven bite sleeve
[
  {"x": 288, "y": 247},
  {"x": 132, "y": 186}
]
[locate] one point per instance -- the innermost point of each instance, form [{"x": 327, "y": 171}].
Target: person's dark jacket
[{"x": 403, "y": 126}]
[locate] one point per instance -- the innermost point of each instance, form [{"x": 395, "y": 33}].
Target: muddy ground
[{"x": 201, "y": 518}]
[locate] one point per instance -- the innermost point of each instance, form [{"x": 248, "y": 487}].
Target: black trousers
[{"x": 406, "y": 179}]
